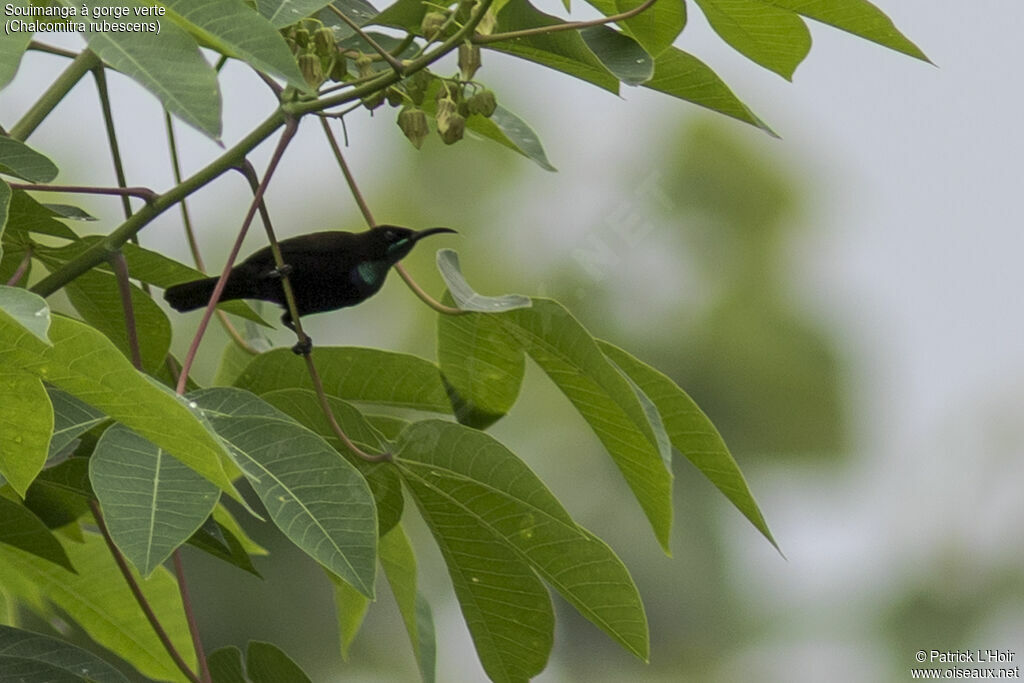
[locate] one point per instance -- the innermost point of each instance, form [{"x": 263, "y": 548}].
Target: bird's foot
[
  {"x": 283, "y": 271},
  {"x": 303, "y": 347}
]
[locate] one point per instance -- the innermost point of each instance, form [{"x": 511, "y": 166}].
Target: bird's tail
[{"x": 189, "y": 296}]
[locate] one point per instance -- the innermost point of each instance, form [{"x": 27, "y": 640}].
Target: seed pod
[
  {"x": 312, "y": 70},
  {"x": 454, "y": 129},
  {"x": 323, "y": 42},
  {"x": 417, "y": 84},
  {"x": 302, "y": 36},
  {"x": 446, "y": 108},
  {"x": 394, "y": 96},
  {"x": 432, "y": 24},
  {"x": 413, "y": 123},
  {"x": 483, "y": 102},
  {"x": 469, "y": 60}
]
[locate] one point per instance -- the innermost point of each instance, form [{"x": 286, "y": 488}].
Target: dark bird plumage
[{"x": 327, "y": 270}]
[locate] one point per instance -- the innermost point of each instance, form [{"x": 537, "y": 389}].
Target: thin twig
[
  {"x": 190, "y": 236},
  {"x": 384, "y": 54},
  {"x": 143, "y": 193},
  {"x": 364, "y": 208},
  {"x": 193, "y": 627},
  {"x": 99, "y": 74},
  {"x": 140, "y": 598},
  {"x": 250, "y": 174},
  {"x": 286, "y": 136},
  {"x": 325, "y": 406},
  {"x": 22, "y": 268},
  {"x": 554, "y": 28},
  {"x": 124, "y": 287}
]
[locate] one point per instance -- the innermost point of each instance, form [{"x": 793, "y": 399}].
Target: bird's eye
[{"x": 390, "y": 235}]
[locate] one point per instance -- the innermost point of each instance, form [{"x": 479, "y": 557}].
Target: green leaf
[
  {"x": 403, "y": 14},
  {"x": 25, "y": 670},
  {"x": 56, "y": 652},
  {"x": 655, "y": 28},
  {"x": 350, "y": 606},
  {"x": 224, "y": 518},
  {"x": 147, "y": 266},
  {"x": 506, "y": 607},
  {"x": 621, "y": 54},
  {"x": 22, "y": 529},
  {"x": 20, "y": 160},
  {"x": 487, "y": 485},
  {"x": 71, "y": 418},
  {"x": 359, "y": 11},
  {"x": 267, "y": 664},
  {"x": 463, "y": 294},
  {"x": 509, "y": 130},
  {"x": 563, "y": 51},
  {"x": 26, "y": 423},
  {"x": 692, "y": 434},
  {"x": 399, "y": 563},
  {"x": 168, "y": 64},
  {"x": 27, "y": 215},
  {"x": 682, "y": 75},
  {"x": 482, "y": 366},
  {"x": 226, "y": 665},
  {"x": 858, "y": 17},
  {"x": 102, "y": 604},
  {"x": 233, "y": 29},
  {"x": 385, "y": 378},
  {"x": 151, "y": 502},
  {"x": 97, "y": 298},
  {"x": 213, "y": 538},
  {"x": 315, "y": 496},
  {"x": 571, "y": 358},
  {"x": 12, "y": 47},
  {"x": 285, "y": 12},
  {"x": 304, "y": 407},
  {"x": 87, "y": 365},
  {"x": 29, "y": 311},
  {"x": 768, "y": 35},
  {"x": 60, "y": 494},
  {"x": 233, "y": 360}
]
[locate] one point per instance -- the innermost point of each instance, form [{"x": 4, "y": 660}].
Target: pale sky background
[{"x": 912, "y": 252}]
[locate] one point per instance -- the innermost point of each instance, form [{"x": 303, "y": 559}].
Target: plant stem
[
  {"x": 22, "y": 268},
  {"x": 190, "y": 617},
  {"x": 289, "y": 132},
  {"x": 100, "y": 75},
  {"x": 124, "y": 287},
  {"x": 140, "y": 597},
  {"x": 50, "y": 49},
  {"x": 365, "y": 209},
  {"x": 567, "y": 26},
  {"x": 325, "y": 406},
  {"x": 112, "y": 242},
  {"x": 142, "y": 192},
  {"x": 79, "y": 66},
  {"x": 368, "y": 39}
]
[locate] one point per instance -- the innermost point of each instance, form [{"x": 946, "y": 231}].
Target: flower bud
[
  {"x": 413, "y": 123},
  {"x": 373, "y": 100},
  {"x": 469, "y": 60},
  {"x": 452, "y": 132},
  {"x": 302, "y": 36},
  {"x": 432, "y": 24},
  {"x": 364, "y": 65},
  {"x": 394, "y": 96},
  {"x": 339, "y": 70},
  {"x": 483, "y": 102},
  {"x": 312, "y": 70},
  {"x": 323, "y": 42}
]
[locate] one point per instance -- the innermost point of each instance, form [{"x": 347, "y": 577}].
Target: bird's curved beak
[{"x": 430, "y": 231}]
